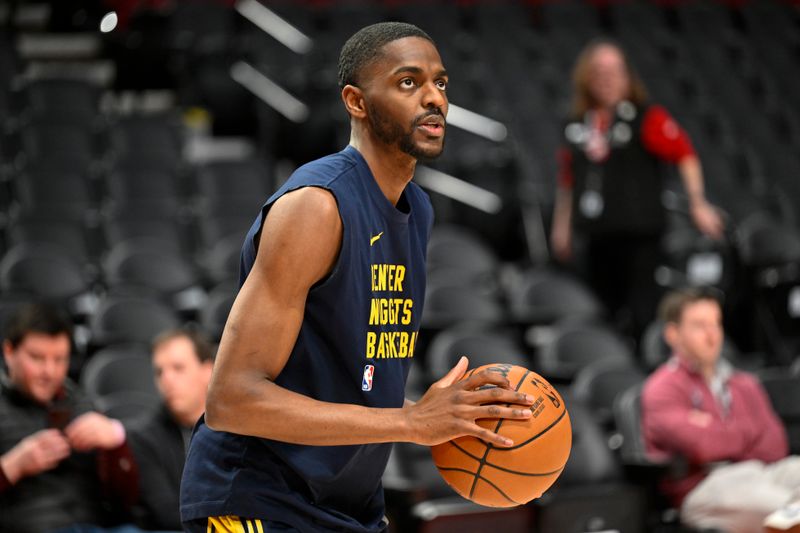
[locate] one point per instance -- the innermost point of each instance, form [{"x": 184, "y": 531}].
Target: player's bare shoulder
[
  {"x": 302, "y": 232},
  {"x": 307, "y": 208}
]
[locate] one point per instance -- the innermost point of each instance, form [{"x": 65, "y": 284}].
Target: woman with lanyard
[{"x": 611, "y": 181}]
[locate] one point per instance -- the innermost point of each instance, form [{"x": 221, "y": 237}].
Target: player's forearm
[
  {"x": 244, "y": 399},
  {"x": 264, "y": 409}
]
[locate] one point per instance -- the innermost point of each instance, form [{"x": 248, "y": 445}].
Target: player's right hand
[
  {"x": 35, "y": 454},
  {"x": 451, "y": 406}
]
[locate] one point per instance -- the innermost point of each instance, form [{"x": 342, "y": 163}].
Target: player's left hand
[
  {"x": 92, "y": 431},
  {"x": 451, "y": 406},
  {"x": 707, "y": 219}
]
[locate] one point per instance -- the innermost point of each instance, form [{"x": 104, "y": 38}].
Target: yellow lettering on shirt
[
  {"x": 391, "y": 344},
  {"x": 371, "y": 339},
  {"x": 390, "y": 311},
  {"x": 387, "y": 277}
]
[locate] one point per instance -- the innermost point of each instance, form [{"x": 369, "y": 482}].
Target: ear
[
  {"x": 8, "y": 351},
  {"x": 671, "y": 334},
  {"x": 354, "y": 102}
]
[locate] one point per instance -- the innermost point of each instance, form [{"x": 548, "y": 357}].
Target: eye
[
  {"x": 441, "y": 84},
  {"x": 407, "y": 83}
]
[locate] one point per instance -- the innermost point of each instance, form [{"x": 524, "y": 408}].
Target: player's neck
[{"x": 391, "y": 168}]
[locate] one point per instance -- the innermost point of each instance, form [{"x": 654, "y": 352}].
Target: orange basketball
[{"x": 505, "y": 477}]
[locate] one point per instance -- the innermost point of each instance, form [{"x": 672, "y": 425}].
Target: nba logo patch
[{"x": 366, "y": 381}]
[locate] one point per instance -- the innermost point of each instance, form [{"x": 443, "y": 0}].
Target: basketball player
[{"x": 308, "y": 388}]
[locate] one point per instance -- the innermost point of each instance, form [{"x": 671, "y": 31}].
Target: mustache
[{"x": 432, "y": 113}]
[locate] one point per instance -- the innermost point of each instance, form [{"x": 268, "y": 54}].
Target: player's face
[
  {"x": 406, "y": 97},
  {"x": 699, "y": 334},
  {"x": 609, "y": 82},
  {"x": 38, "y": 365},
  {"x": 180, "y": 377}
]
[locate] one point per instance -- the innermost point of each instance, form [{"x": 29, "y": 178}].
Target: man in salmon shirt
[{"x": 697, "y": 406}]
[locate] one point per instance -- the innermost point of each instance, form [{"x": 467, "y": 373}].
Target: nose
[
  {"x": 714, "y": 333},
  {"x": 434, "y": 97},
  {"x": 50, "y": 370}
]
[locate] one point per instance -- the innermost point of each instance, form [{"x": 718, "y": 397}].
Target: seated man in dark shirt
[
  {"x": 58, "y": 458},
  {"x": 182, "y": 362}
]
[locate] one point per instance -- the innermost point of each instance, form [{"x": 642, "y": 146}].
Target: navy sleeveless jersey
[{"x": 355, "y": 345}]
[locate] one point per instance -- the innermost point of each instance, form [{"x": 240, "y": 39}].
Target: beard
[{"x": 392, "y": 133}]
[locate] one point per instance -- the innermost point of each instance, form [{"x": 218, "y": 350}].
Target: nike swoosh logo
[{"x": 374, "y": 239}]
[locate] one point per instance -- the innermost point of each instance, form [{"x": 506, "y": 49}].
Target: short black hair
[
  {"x": 36, "y": 317},
  {"x": 365, "y": 46},
  {"x": 203, "y": 348}
]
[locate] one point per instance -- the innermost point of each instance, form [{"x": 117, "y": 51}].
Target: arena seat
[
  {"x": 62, "y": 100},
  {"x": 575, "y": 345},
  {"x": 147, "y": 140},
  {"x": 764, "y": 242},
  {"x": 447, "y": 305},
  {"x": 214, "y": 312},
  {"x": 456, "y": 247},
  {"x": 127, "y": 405},
  {"x": 695, "y": 259},
  {"x": 159, "y": 230},
  {"x": 783, "y": 389},
  {"x": 72, "y": 237},
  {"x": 633, "y": 15},
  {"x": 128, "y": 319},
  {"x": 639, "y": 466},
  {"x": 598, "y": 385},
  {"x": 43, "y": 270},
  {"x": 591, "y": 493},
  {"x": 117, "y": 369},
  {"x": 51, "y": 193},
  {"x": 148, "y": 188},
  {"x": 201, "y": 29},
  {"x": 244, "y": 180},
  {"x": 221, "y": 263},
  {"x": 481, "y": 346},
  {"x": 213, "y": 229},
  {"x": 703, "y": 18},
  {"x": 137, "y": 263},
  {"x": 546, "y": 296},
  {"x": 63, "y": 143}
]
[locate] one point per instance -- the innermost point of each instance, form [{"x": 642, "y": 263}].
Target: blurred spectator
[
  {"x": 610, "y": 183},
  {"x": 720, "y": 420},
  {"x": 63, "y": 466},
  {"x": 182, "y": 361}
]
